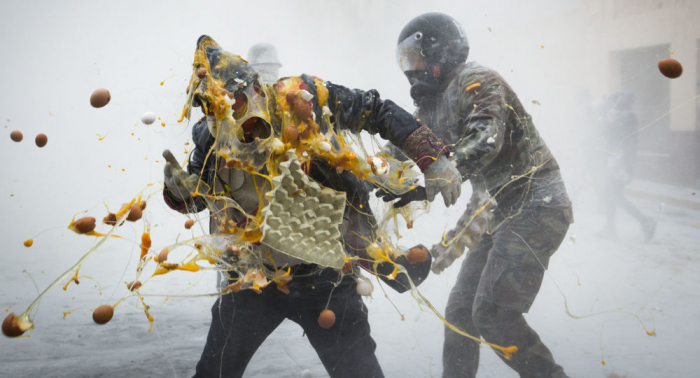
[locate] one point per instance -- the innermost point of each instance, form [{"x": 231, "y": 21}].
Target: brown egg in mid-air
[
  {"x": 189, "y": 224},
  {"x": 163, "y": 255},
  {"x": 326, "y": 319},
  {"x": 10, "y": 327},
  {"x": 135, "y": 213},
  {"x": 16, "y": 136},
  {"x": 133, "y": 285},
  {"x": 103, "y": 314},
  {"x": 110, "y": 219},
  {"x": 670, "y": 68},
  {"x": 85, "y": 225},
  {"x": 234, "y": 287},
  {"x": 100, "y": 97},
  {"x": 41, "y": 140},
  {"x": 417, "y": 254}
]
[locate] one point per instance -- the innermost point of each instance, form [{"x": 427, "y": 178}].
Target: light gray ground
[{"x": 604, "y": 282}]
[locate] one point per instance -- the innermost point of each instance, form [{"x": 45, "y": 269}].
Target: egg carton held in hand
[{"x": 302, "y": 218}]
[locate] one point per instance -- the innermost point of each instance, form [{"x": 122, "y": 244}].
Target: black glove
[
  {"x": 417, "y": 194},
  {"x": 418, "y": 272},
  {"x": 178, "y": 182}
]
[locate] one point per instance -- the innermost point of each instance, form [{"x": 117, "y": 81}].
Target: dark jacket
[
  {"x": 352, "y": 109},
  {"x": 493, "y": 139}
]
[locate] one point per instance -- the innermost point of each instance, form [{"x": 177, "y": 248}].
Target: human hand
[
  {"x": 443, "y": 257},
  {"x": 417, "y": 194},
  {"x": 442, "y": 175},
  {"x": 177, "y": 180}
]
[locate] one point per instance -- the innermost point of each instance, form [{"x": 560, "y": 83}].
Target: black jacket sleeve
[
  {"x": 203, "y": 141},
  {"x": 199, "y": 165},
  {"x": 357, "y": 110}
]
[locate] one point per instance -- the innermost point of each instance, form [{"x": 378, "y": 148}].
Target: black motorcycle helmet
[{"x": 429, "y": 47}]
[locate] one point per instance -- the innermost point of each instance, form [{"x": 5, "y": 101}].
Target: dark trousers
[
  {"x": 613, "y": 198},
  {"x": 242, "y": 321},
  {"x": 497, "y": 283}
]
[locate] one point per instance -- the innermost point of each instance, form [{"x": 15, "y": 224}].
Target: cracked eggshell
[
  {"x": 325, "y": 146},
  {"x": 277, "y": 146},
  {"x": 379, "y": 165},
  {"x": 305, "y": 95},
  {"x": 364, "y": 288}
]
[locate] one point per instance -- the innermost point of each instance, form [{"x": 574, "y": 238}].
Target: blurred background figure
[
  {"x": 263, "y": 58},
  {"x": 619, "y": 137}
]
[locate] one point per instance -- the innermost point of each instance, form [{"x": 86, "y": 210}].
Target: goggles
[{"x": 409, "y": 54}]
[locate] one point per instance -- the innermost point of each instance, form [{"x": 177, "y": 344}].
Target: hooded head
[{"x": 229, "y": 92}]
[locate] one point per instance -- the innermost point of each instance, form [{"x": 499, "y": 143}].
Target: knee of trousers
[{"x": 490, "y": 319}]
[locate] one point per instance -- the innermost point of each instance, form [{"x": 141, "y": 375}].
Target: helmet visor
[{"x": 408, "y": 53}]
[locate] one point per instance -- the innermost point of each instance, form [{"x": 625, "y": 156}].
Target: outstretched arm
[{"x": 358, "y": 110}]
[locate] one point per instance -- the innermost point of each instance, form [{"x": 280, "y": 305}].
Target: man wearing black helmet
[{"x": 495, "y": 145}]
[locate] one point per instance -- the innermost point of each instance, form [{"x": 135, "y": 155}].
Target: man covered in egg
[{"x": 289, "y": 212}]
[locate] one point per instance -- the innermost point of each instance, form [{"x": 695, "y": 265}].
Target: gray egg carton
[{"x": 302, "y": 218}]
